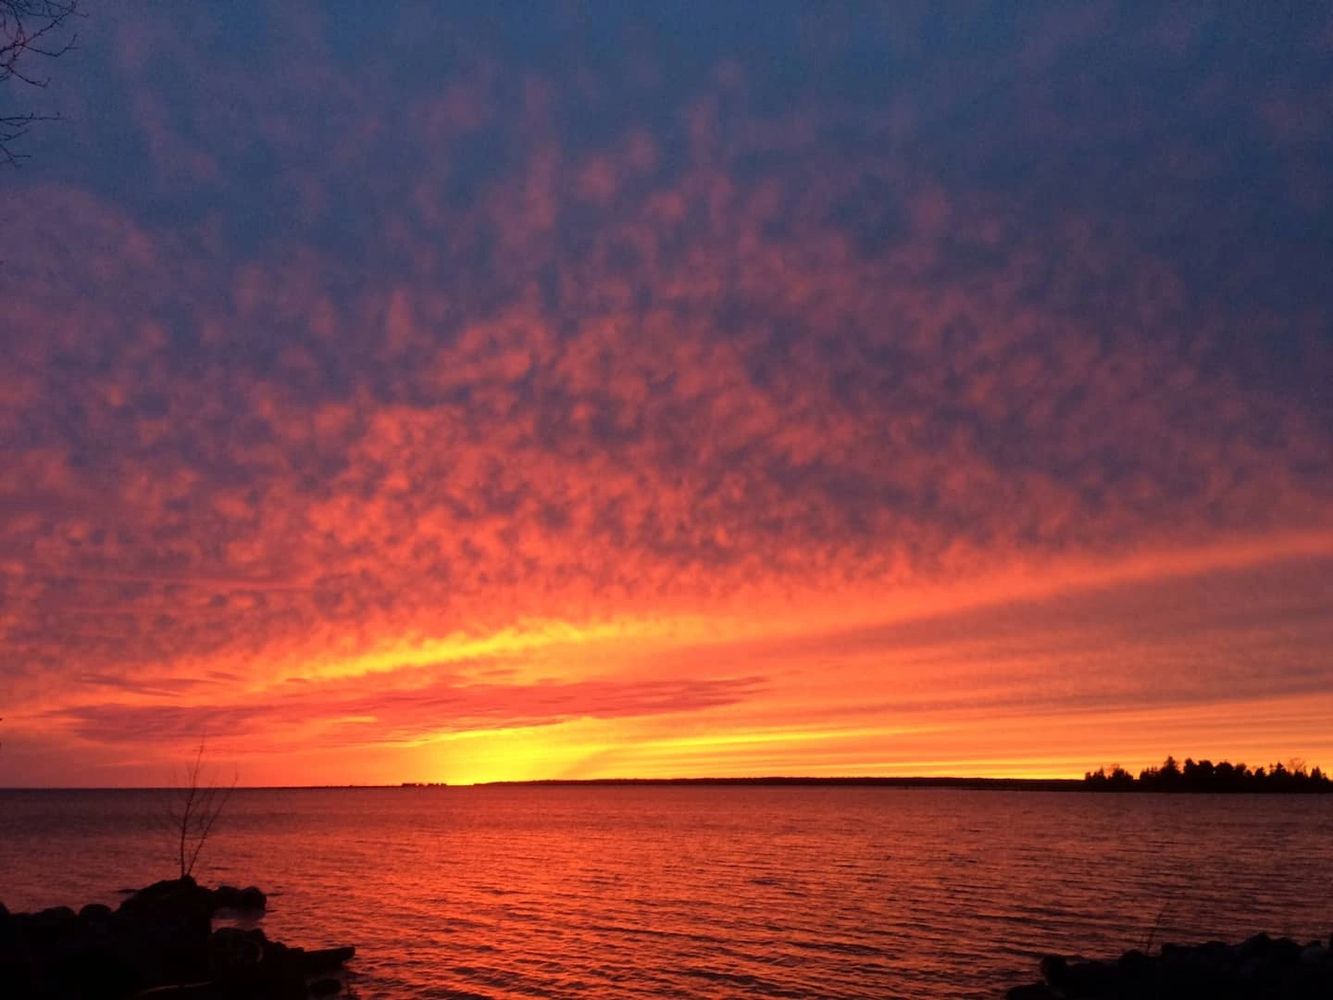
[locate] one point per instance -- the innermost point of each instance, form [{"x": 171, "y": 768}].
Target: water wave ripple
[{"x": 484, "y": 893}]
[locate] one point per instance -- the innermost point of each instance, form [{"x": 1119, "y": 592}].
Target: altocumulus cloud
[{"x": 474, "y": 322}]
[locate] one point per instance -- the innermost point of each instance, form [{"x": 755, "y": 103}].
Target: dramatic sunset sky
[{"x": 394, "y": 393}]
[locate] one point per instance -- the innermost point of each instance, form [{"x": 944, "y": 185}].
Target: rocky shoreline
[
  {"x": 160, "y": 942},
  {"x": 1259, "y": 968}
]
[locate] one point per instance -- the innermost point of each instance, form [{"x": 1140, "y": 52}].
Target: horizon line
[{"x": 845, "y": 780}]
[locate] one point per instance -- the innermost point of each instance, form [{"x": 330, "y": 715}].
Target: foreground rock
[
  {"x": 1259, "y": 968},
  {"x": 160, "y": 942}
]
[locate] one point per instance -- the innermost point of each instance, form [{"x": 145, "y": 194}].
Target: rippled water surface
[{"x": 706, "y": 891}]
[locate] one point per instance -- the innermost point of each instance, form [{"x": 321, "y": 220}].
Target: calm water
[{"x": 706, "y": 892}]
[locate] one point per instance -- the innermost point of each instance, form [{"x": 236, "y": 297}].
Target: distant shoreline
[
  {"x": 1006, "y": 784},
  {"x": 774, "y": 781},
  {"x": 968, "y": 784}
]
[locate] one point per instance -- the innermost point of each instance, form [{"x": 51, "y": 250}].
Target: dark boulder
[
  {"x": 1054, "y": 970},
  {"x": 233, "y": 950},
  {"x": 165, "y": 889},
  {"x": 252, "y": 898},
  {"x": 90, "y": 969},
  {"x": 1259, "y": 968},
  {"x": 1258, "y": 945},
  {"x": 46, "y": 928},
  {"x": 1286, "y": 951},
  {"x": 159, "y": 942},
  {"x": 97, "y": 914},
  {"x": 327, "y": 959},
  {"x": 179, "y": 899},
  {"x": 1037, "y": 991},
  {"x": 1133, "y": 961},
  {"x": 227, "y": 897},
  {"x": 162, "y": 930},
  {"x": 249, "y": 899}
]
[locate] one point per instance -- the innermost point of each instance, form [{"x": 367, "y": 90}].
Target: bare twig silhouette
[
  {"x": 195, "y": 807},
  {"x": 1156, "y": 926},
  {"x": 30, "y": 28}
]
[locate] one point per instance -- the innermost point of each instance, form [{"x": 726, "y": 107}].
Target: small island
[{"x": 1205, "y": 776}]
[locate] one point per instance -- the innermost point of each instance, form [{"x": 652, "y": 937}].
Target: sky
[{"x": 431, "y": 393}]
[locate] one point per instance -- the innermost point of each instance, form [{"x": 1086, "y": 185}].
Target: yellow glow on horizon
[
  {"x": 809, "y": 684},
  {"x": 516, "y": 753}
]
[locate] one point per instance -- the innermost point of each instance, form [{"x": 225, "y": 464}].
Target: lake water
[{"x": 706, "y": 891}]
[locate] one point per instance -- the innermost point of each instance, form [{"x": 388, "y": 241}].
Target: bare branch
[
  {"x": 194, "y": 811},
  {"x": 30, "y": 28}
]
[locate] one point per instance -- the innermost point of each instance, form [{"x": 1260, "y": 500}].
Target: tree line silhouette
[{"x": 1205, "y": 776}]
